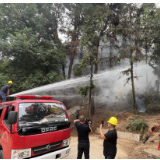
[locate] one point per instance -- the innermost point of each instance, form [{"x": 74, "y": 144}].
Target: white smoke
[{"x": 110, "y": 84}]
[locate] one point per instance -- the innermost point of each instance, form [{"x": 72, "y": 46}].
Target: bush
[
  {"x": 136, "y": 124},
  {"x": 153, "y": 108}
]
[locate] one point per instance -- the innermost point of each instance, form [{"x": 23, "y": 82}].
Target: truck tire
[{"x": 1, "y": 154}]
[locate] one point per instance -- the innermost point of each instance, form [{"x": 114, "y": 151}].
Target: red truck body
[{"x": 42, "y": 141}]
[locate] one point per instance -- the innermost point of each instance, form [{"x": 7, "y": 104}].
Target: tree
[
  {"x": 151, "y": 21},
  {"x": 16, "y": 17},
  {"x": 146, "y": 38},
  {"x": 32, "y": 45},
  {"x": 87, "y": 60},
  {"x": 94, "y": 28},
  {"x": 155, "y": 64},
  {"x": 71, "y": 27},
  {"x": 3, "y": 76},
  {"x": 132, "y": 34}
]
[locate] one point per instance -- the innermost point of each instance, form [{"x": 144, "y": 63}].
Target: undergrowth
[{"x": 135, "y": 124}]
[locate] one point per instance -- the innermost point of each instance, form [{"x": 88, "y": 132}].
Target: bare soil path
[{"x": 96, "y": 149}]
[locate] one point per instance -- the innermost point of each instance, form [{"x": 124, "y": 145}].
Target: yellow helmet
[
  {"x": 10, "y": 82},
  {"x": 53, "y": 109},
  {"x": 113, "y": 121}
]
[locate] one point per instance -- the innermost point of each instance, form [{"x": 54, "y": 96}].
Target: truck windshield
[{"x": 39, "y": 113}]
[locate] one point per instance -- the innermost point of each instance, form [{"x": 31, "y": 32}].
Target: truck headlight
[
  {"x": 66, "y": 142},
  {"x": 20, "y": 153}
]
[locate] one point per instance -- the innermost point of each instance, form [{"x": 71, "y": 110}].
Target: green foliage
[
  {"x": 153, "y": 108},
  {"x": 32, "y": 52},
  {"x": 26, "y": 50},
  {"x": 3, "y": 77},
  {"x": 84, "y": 90},
  {"x": 33, "y": 55},
  {"x": 94, "y": 24},
  {"x": 136, "y": 124},
  {"x": 150, "y": 21},
  {"x": 152, "y": 100},
  {"x": 82, "y": 66}
]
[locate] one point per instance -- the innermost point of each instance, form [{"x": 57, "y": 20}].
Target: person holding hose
[
  {"x": 110, "y": 139},
  {"x": 5, "y": 91}
]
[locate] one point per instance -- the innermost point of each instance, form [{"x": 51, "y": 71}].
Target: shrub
[
  {"x": 136, "y": 124},
  {"x": 153, "y": 108}
]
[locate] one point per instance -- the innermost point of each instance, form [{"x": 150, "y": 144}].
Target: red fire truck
[{"x": 34, "y": 127}]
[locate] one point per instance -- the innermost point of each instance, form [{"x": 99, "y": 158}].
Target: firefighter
[
  {"x": 52, "y": 110},
  {"x": 110, "y": 139},
  {"x": 5, "y": 91}
]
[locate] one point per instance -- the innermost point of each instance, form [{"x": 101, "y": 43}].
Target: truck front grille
[{"x": 46, "y": 148}]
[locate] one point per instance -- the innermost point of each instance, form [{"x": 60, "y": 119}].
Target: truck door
[
  {"x": 6, "y": 137},
  {"x": 1, "y": 119}
]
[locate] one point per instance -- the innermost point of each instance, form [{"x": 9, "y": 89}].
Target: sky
[{"x": 158, "y": 4}]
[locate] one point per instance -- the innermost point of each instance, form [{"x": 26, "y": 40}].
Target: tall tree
[
  {"x": 29, "y": 36},
  {"x": 143, "y": 11},
  {"x": 30, "y": 58},
  {"x": 155, "y": 64},
  {"x": 96, "y": 18},
  {"x": 132, "y": 34},
  {"x": 151, "y": 21},
  {"x": 71, "y": 26},
  {"x": 87, "y": 60}
]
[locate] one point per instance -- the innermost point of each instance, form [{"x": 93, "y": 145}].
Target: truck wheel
[{"x": 1, "y": 154}]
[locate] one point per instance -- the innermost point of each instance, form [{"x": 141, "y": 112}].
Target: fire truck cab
[{"x": 34, "y": 127}]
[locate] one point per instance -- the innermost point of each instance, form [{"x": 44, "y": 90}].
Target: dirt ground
[
  {"x": 125, "y": 149},
  {"x": 96, "y": 149},
  {"x": 101, "y": 114}
]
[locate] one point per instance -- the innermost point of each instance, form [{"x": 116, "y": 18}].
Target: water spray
[{"x": 109, "y": 84}]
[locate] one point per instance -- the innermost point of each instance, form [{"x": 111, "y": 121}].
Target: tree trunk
[
  {"x": 65, "y": 99},
  {"x": 70, "y": 65},
  {"x": 110, "y": 54},
  {"x": 63, "y": 71},
  {"x": 92, "y": 104},
  {"x": 158, "y": 84},
  {"x": 146, "y": 53},
  {"x": 133, "y": 87},
  {"x": 90, "y": 92},
  {"x": 96, "y": 64},
  {"x": 147, "y": 80},
  {"x": 90, "y": 96},
  {"x": 96, "y": 68},
  {"x": 74, "y": 45}
]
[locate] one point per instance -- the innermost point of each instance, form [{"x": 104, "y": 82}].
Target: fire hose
[{"x": 146, "y": 139}]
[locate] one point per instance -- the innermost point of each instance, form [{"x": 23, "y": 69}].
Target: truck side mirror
[
  {"x": 77, "y": 114},
  {"x": 12, "y": 117}
]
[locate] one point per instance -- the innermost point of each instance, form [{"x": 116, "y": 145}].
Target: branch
[{"x": 126, "y": 72}]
